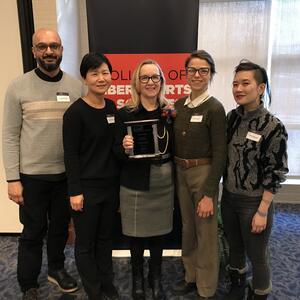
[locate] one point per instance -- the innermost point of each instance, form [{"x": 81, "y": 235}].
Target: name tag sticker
[
  {"x": 253, "y": 136},
  {"x": 110, "y": 119},
  {"x": 196, "y": 118},
  {"x": 62, "y": 97}
]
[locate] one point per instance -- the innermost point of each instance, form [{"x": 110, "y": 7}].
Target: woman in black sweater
[
  {"x": 146, "y": 192},
  {"x": 93, "y": 176}
]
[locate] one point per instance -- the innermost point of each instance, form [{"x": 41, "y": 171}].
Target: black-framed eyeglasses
[
  {"x": 201, "y": 71},
  {"x": 42, "y": 47},
  {"x": 154, "y": 78}
]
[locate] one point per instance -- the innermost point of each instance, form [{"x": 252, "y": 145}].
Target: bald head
[
  {"x": 47, "y": 50},
  {"x": 44, "y": 33}
]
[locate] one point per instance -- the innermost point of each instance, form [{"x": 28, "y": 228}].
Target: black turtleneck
[{"x": 46, "y": 77}]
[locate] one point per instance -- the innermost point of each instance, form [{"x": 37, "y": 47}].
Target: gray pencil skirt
[{"x": 149, "y": 213}]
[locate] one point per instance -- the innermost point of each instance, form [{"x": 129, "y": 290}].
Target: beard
[{"x": 49, "y": 67}]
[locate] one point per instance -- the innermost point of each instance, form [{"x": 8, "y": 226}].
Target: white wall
[
  {"x": 11, "y": 67},
  {"x": 44, "y": 14}
]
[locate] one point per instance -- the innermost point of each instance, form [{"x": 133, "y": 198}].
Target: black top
[
  {"x": 88, "y": 137},
  {"x": 135, "y": 173},
  {"x": 46, "y": 77}
]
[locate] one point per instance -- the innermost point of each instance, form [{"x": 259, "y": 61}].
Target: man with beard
[{"x": 34, "y": 162}]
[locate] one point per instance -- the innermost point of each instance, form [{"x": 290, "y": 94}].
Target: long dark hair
[{"x": 260, "y": 76}]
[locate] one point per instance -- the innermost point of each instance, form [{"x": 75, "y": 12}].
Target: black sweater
[
  {"x": 88, "y": 137},
  {"x": 135, "y": 173}
]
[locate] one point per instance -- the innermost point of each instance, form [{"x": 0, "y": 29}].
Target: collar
[
  {"x": 45, "y": 77},
  {"x": 252, "y": 113},
  {"x": 197, "y": 101}
]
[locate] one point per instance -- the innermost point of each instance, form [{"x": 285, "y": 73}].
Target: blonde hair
[{"x": 135, "y": 100}]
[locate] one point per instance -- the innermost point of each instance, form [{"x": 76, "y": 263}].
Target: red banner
[{"x": 172, "y": 65}]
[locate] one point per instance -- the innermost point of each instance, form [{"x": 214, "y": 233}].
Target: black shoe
[
  {"x": 237, "y": 286},
  {"x": 253, "y": 296},
  {"x": 182, "y": 287},
  {"x": 109, "y": 292},
  {"x": 31, "y": 294},
  {"x": 63, "y": 280}
]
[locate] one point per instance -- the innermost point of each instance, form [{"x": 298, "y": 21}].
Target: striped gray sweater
[
  {"x": 32, "y": 125},
  {"x": 257, "y": 152}
]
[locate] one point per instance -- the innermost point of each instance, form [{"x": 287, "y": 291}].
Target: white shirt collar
[{"x": 197, "y": 101}]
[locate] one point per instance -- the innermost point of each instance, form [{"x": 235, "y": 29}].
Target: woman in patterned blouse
[{"x": 256, "y": 165}]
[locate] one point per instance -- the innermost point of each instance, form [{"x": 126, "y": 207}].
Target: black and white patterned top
[{"x": 257, "y": 152}]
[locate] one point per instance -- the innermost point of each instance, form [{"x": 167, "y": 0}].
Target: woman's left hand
[
  {"x": 259, "y": 223},
  {"x": 77, "y": 202},
  {"x": 205, "y": 207}
]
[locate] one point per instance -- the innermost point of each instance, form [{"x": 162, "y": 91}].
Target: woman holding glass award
[{"x": 146, "y": 192}]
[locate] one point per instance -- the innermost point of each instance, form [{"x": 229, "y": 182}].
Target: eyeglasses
[
  {"x": 43, "y": 47},
  {"x": 201, "y": 71},
  {"x": 154, "y": 78}
]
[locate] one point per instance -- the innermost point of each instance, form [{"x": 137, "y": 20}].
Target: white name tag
[
  {"x": 253, "y": 136},
  {"x": 110, "y": 119},
  {"x": 62, "y": 97},
  {"x": 196, "y": 118}
]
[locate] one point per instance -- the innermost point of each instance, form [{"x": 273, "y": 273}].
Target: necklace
[
  {"x": 166, "y": 133},
  {"x": 162, "y": 136}
]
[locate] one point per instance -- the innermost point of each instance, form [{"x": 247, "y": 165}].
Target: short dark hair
[
  {"x": 260, "y": 74},
  {"x": 93, "y": 60},
  {"x": 202, "y": 54}
]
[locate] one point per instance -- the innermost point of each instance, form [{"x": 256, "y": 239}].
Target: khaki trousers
[{"x": 199, "y": 235}]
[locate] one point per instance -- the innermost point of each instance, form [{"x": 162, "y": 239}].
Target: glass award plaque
[{"x": 144, "y": 133}]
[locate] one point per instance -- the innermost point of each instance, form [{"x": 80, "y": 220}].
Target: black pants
[
  {"x": 93, "y": 244},
  {"x": 45, "y": 210},
  {"x": 138, "y": 245},
  {"x": 237, "y": 214}
]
